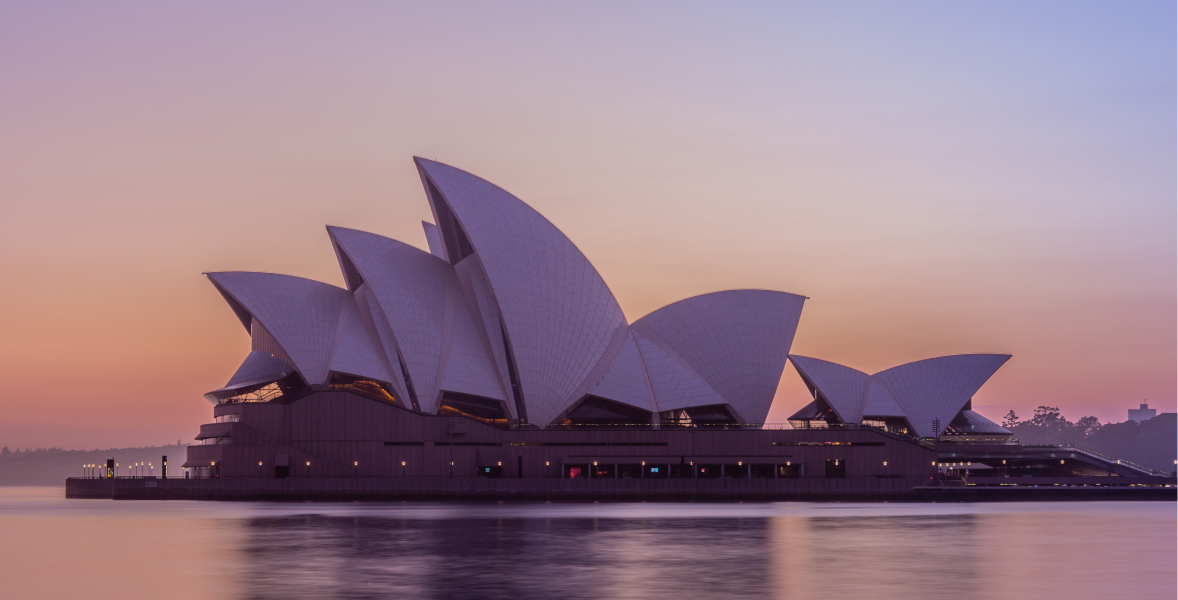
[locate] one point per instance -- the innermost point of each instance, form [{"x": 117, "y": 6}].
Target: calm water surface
[{"x": 51, "y": 547}]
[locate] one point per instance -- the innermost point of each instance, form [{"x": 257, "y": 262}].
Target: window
[{"x": 836, "y": 468}]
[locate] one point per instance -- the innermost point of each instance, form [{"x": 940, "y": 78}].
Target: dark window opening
[
  {"x": 708, "y": 471},
  {"x": 454, "y": 238},
  {"x": 761, "y": 471},
  {"x": 657, "y": 471},
  {"x": 898, "y": 425},
  {"x": 630, "y": 471},
  {"x": 788, "y": 471},
  {"x": 815, "y": 415},
  {"x": 364, "y": 387},
  {"x": 599, "y": 411},
  {"x": 576, "y": 471},
  {"x": 490, "y": 472},
  {"x": 289, "y": 387},
  {"x": 478, "y": 408},
  {"x": 408, "y": 382},
  {"x": 351, "y": 273},
  {"x": 516, "y": 390},
  {"x": 836, "y": 468},
  {"x": 281, "y": 472},
  {"x": 697, "y": 416}
]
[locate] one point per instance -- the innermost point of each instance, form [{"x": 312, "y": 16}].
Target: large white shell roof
[
  {"x": 929, "y": 393},
  {"x": 506, "y": 307}
]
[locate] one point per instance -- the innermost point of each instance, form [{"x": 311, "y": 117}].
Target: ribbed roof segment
[
  {"x": 410, "y": 286},
  {"x": 931, "y": 392},
  {"x": 300, "y": 314},
  {"x": 842, "y": 387},
  {"x": 559, "y": 315},
  {"x": 737, "y": 341}
]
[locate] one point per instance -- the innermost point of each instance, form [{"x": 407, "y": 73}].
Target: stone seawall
[{"x": 523, "y": 489}]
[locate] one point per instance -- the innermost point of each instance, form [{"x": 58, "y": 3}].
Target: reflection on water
[{"x": 582, "y": 551}]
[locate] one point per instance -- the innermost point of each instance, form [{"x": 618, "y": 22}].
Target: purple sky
[{"x": 937, "y": 178}]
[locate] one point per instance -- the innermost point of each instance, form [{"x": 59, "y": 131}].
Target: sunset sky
[{"x": 939, "y": 178}]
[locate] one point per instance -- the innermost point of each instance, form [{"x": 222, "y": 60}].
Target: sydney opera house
[{"x": 502, "y": 353}]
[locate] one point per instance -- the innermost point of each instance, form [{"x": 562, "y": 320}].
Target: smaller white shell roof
[
  {"x": 976, "y": 423},
  {"x": 316, "y": 325},
  {"x": 737, "y": 341},
  {"x": 932, "y": 391},
  {"x": 929, "y": 393},
  {"x": 842, "y": 387},
  {"x": 300, "y": 314},
  {"x": 258, "y": 366}
]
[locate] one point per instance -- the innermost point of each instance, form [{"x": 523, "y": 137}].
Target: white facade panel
[
  {"x": 674, "y": 383},
  {"x": 469, "y": 366},
  {"x": 626, "y": 380},
  {"x": 877, "y": 402},
  {"x": 353, "y": 352},
  {"x": 259, "y": 365},
  {"x": 300, "y": 314},
  {"x": 433, "y": 239},
  {"x": 842, "y": 387},
  {"x": 737, "y": 341},
  {"x": 410, "y": 288}
]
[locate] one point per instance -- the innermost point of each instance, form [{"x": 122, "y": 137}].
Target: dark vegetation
[
  {"x": 1153, "y": 443},
  {"x": 51, "y": 466}
]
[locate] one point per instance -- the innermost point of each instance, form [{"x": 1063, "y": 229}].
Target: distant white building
[{"x": 1144, "y": 413}]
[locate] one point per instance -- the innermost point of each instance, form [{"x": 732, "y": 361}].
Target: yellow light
[
  {"x": 934, "y": 463},
  {"x": 1061, "y": 462},
  {"x": 595, "y": 463},
  {"x": 885, "y": 463},
  {"x": 403, "y": 463},
  {"x": 547, "y": 463},
  {"x": 500, "y": 463},
  {"x": 356, "y": 464},
  {"x": 308, "y": 463},
  {"x": 741, "y": 464},
  {"x": 644, "y": 463},
  {"x": 213, "y": 462},
  {"x": 787, "y": 463},
  {"x": 1003, "y": 462},
  {"x": 259, "y": 463}
]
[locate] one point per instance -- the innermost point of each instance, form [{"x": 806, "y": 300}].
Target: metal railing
[{"x": 1090, "y": 452}]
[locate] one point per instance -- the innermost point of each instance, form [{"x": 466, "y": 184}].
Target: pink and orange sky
[{"x": 938, "y": 179}]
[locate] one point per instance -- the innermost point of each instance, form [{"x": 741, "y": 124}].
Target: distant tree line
[
  {"x": 50, "y": 466},
  {"x": 1152, "y": 443}
]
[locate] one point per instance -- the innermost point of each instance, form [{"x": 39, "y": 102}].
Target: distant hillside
[
  {"x": 1152, "y": 443},
  {"x": 51, "y": 466}
]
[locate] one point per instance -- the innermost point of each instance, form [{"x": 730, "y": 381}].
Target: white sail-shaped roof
[
  {"x": 674, "y": 383},
  {"x": 843, "y": 388},
  {"x": 737, "y": 341},
  {"x": 626, "y": 379},
  {"x": 877, "y": 402},
  {"x": 300, "y": 314},
  {"x": 505, "y": 307},
  {"x": 557, "y": 311},
  {"x": 259, "y": 366},
  {"x": 931, "y": 392},
  {"x": 928, "y": 393},
  {"x": 433, "y": 239},
  {"x": 353, "y": 351},
  {"x": 410, "y": 287}
]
